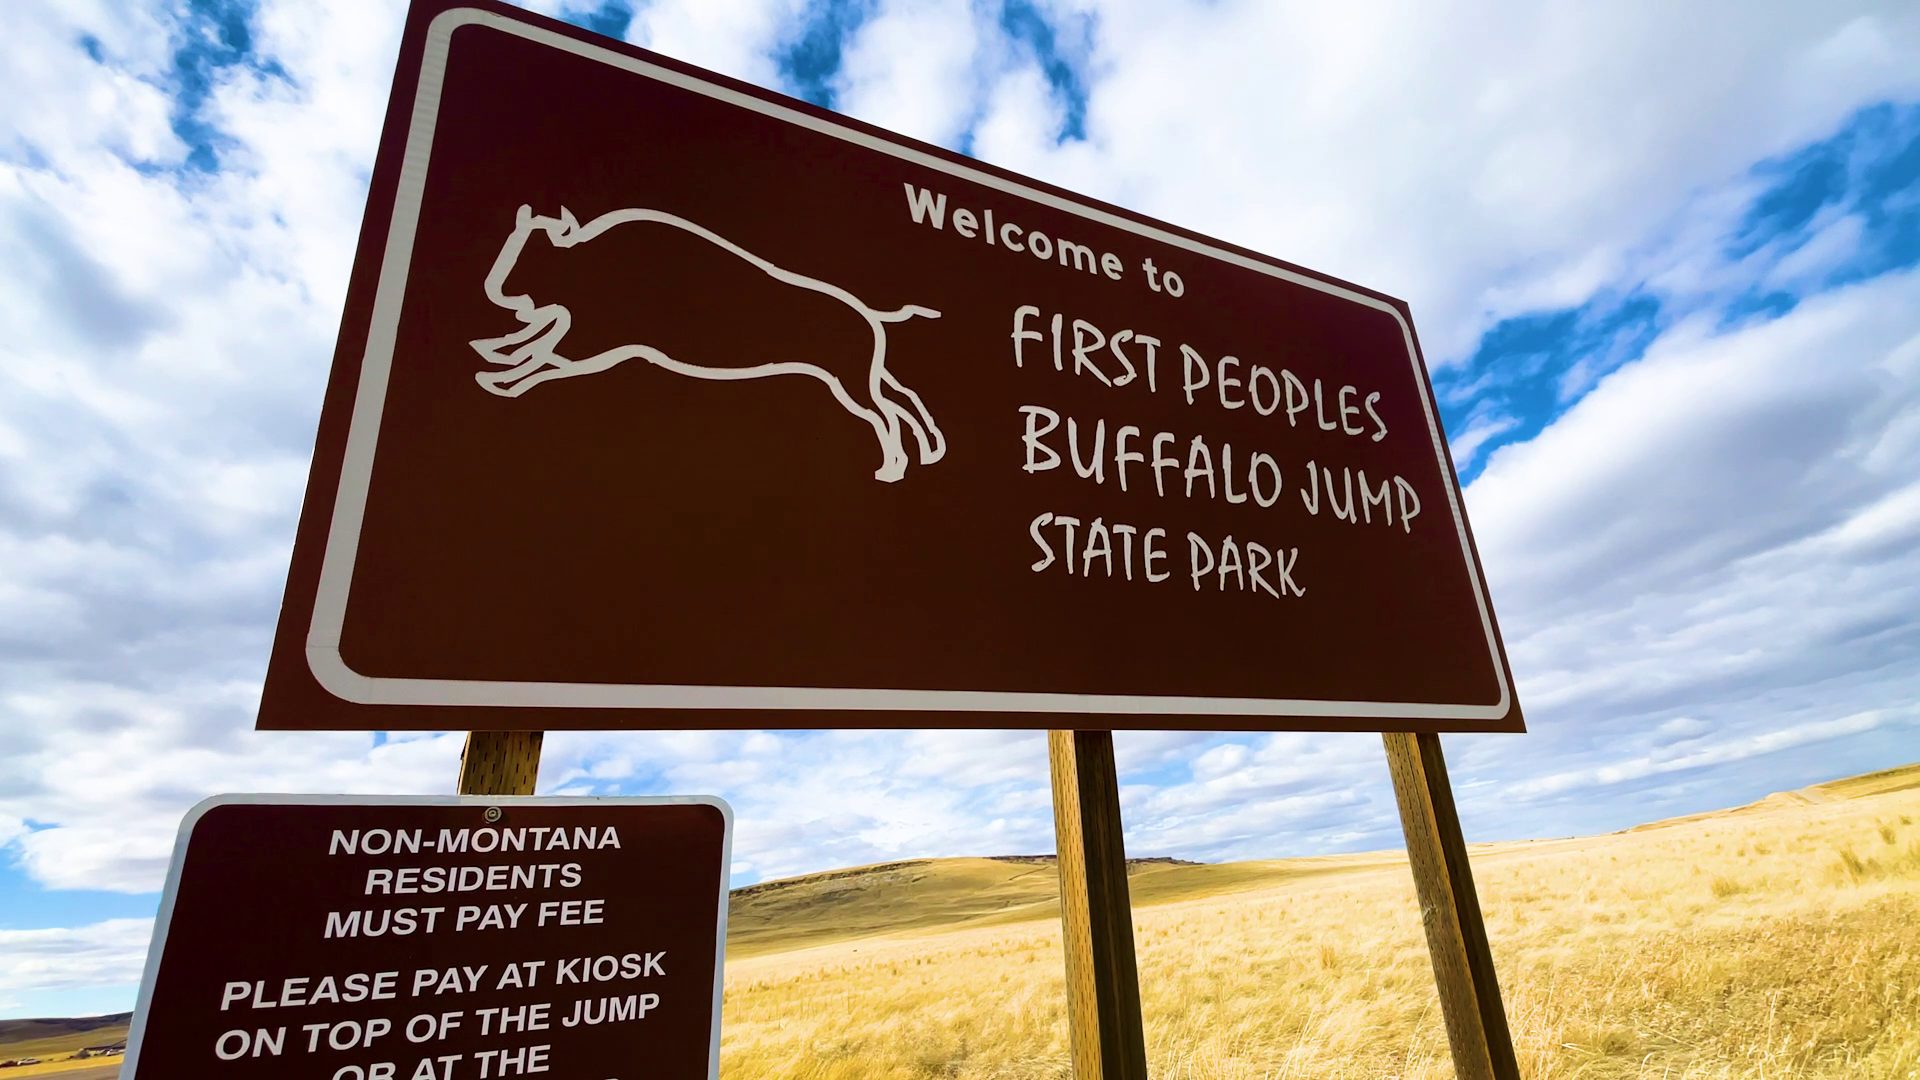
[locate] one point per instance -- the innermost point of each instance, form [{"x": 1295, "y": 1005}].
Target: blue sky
[
  {"x": 1527, "y": 369},
  {"x": 1663, "y": 263}
]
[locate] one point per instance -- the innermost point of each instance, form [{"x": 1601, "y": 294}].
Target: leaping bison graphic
[{"x": 860, "y": 383}]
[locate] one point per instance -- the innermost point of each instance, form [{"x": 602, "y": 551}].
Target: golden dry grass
[{"x": 1780, "y": 940}]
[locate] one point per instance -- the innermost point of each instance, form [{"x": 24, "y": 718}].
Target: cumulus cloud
[
  {"x": 1478, "y": 161},
  {"x": 833, "y": 798},
  {"x": 106, "y": 953},
  {"x": 172, "y": 328},
  {"x": 1668, "y": 759},
  {"x": 1719, "y": 541},
  {"x": 1725, "y": 467},
  {"x": 733, "y": 37},
  {"x": 913, "y": 68}
]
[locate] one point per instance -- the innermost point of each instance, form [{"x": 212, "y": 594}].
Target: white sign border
[
  {"x": 164, "y": 918},
  {"x": 330, "y": 669}
]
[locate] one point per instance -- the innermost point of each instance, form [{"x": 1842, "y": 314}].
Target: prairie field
[
  {"x": 1778, "y": 940},
  {"x": 55, "y": 1041}
]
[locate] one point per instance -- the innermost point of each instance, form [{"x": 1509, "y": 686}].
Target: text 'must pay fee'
[{"x": 583, "y": 979}]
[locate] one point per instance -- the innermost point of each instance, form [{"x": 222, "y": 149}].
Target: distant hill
[
  {"x": 921, "y": 894},
  {"x": 1903, "y": 778},
  {"x": 841, "y": 905},
  {"x": 1775, "y": 937},
  {"x": 47, "y": 1037}
]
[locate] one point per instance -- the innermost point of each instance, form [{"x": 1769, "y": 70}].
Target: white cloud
[
  {"x": 733, "y": 37},
  {"x": 1836, "y": 243},
  {"x": 1466, "y": 445},
  {"x": 1474, "y": 160},
  {"x": 912, "y": 68},
  {"x": 1718, "y": 544},
  {"x": 104, "y": 774},
  {"x": 1320, "y": 792},
  {"x": 1719, "y": 753},
  {"x": 834, "y": 798},
  {"x": 171, "y": 332},
  {"x": 107, "y": 952},
  {"x": 1709, "y": 467}
]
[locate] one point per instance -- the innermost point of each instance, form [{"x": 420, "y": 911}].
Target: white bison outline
[{"x": 529, "y": 356}]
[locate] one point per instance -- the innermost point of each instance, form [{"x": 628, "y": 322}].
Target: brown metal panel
[{"x": 664, "y": 401}]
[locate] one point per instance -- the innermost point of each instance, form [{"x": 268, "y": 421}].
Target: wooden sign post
[
  {"x": 663, "y": 401},
  {"x": 1450, "y": 910},
  {"x": 1103, "y": 983},
  {"x": 1096, "y": 915},
  {"x": 500, "y": 762}
]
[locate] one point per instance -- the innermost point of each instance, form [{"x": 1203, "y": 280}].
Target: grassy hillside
[
  {"x": 952, "y": 894},
  {"x": 1904, "y": 778},
  {"x": 1774, "y": 940},
  {"x": 44, "y": 1037},
  {"x": 54, "y": 1041}
]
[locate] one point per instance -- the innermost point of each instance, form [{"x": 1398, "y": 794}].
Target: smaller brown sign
[{"x": 474, "y": 938}]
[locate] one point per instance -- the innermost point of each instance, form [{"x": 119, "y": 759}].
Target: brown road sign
[
  {"x": 431, "y": 938},
  {"x": 664, "y": 401}
]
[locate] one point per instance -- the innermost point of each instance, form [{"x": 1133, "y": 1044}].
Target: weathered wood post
[
  {"x": 1450, "y": 910},
  {"x": 1096, "y": 917},
  {"x": 500, "y": 762}
]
